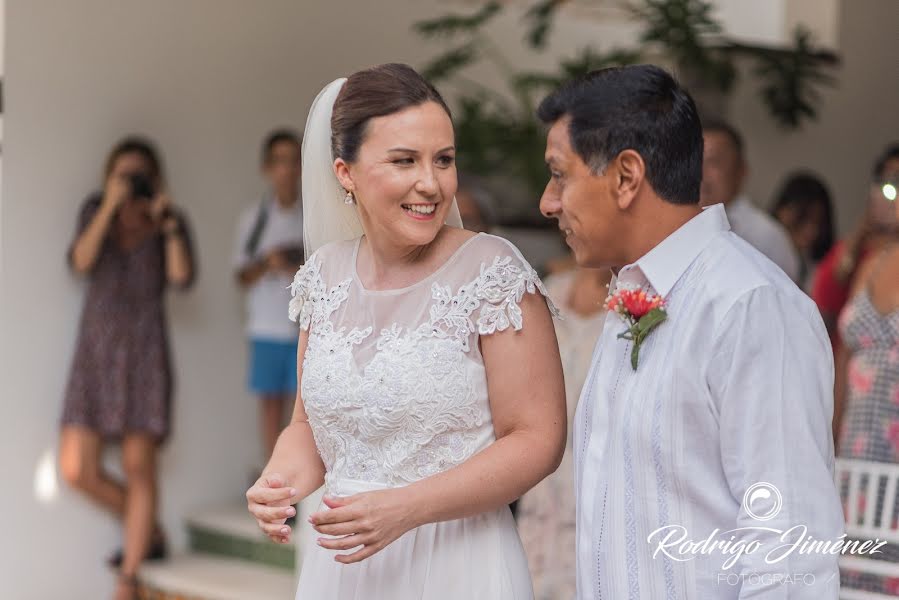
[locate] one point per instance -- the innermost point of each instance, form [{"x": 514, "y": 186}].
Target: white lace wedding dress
[{"x": 395, "y": 390}]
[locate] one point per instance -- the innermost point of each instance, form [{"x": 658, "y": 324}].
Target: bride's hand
[
  {"x": 270, "y": 502},
  {"x": 372, "y": 520}
]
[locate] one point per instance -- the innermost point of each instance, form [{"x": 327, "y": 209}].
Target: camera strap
[{"x": 258, "y": 228}]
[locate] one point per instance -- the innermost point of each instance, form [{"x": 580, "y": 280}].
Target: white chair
[{"x": 866, "y": 478}]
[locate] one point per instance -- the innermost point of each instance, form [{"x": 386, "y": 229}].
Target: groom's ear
[
  {"x": 630, "y": 171},
  {"x": 342, "y": 171}
]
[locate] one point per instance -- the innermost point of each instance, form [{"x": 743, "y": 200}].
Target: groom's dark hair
[{"x": 641, "y": 108}]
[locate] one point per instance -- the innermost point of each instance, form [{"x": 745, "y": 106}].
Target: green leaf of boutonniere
[{"x": 642, "y": 328}]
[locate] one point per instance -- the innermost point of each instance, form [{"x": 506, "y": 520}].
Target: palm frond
[
  {"x": 792, "y": 80},
  {"x": 540, "y": 21},
  {"x": 450, "y": 62},
  {"x": 453, "y": 24}
]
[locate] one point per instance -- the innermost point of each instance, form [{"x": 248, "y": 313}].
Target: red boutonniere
[{"x": 642, "y": 313}]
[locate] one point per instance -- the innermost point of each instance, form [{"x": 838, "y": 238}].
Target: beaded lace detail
[{"x": 413, "y": 409}]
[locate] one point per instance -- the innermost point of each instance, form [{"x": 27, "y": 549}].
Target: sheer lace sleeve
[
  {"x": 501, "y": 286},
  {"x": 306, "y": 289},
  {"x": 504, "y": 279},
  {"x": 313, "y": 300}
]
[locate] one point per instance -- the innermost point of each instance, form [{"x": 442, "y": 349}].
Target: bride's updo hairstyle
[{"x": 375, "y": 92}]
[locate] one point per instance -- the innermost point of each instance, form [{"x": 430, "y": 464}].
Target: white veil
[{"x": 326, "y": 217}]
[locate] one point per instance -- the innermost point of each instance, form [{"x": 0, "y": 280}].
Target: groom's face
[{"x": 582, "y": 201}]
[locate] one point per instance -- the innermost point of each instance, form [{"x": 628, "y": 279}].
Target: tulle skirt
[{"x": 475, "y": 558}]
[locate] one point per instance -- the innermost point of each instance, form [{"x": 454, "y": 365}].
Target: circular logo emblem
[{"x": 762, "y": 501}]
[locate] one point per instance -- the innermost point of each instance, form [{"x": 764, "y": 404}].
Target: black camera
[{"x": 141, "y": 187}]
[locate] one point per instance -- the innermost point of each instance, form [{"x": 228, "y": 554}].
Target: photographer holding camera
[
  {"x": 268, "y": 251},
  {"x": 132, "y": 244}
]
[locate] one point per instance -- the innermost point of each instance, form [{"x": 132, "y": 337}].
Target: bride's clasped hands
[{"x": 371, "y": 519}]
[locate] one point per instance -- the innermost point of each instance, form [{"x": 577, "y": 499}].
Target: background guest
[
  {"x": 805, "y": 209},
  {"x": 475, "y": 204},
  {"x": 132, "y": 244},
  {"x": 268, "y": 251},
  {"x": 838, "y": 270},
  {"x": 546, "y": 514},
  {"x": 866, "y": 405},
  {"x": 724, "y": 172}
]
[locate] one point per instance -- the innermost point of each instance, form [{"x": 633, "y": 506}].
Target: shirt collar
[{"x": 665, "y": 263}]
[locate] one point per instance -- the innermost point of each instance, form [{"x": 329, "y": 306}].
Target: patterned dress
[
  {"x": 870, "y": 428},
  {"x": 120, "y": 379}
]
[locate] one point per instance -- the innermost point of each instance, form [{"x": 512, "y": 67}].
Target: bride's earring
[{"x": 349, "y": 198}]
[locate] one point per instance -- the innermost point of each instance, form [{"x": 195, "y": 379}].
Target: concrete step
[
  {"x": 196, "y": 576},
  {"x": 231, "y": 532}
]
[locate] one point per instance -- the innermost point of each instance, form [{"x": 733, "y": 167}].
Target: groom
[{"x": 704, "y": 463}]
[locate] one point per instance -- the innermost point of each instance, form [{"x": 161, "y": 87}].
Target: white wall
[
  {"x": 821, "y": 17},
  {"x": 857, "y": 120},
  {"x": 2, "y": 49},
  {"x": 206, "y": 79},
  {"x": 760, "y": 21},
  {"x": 2, "y": 28}
]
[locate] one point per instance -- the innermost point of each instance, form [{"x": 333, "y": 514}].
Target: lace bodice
[{"x": 393, "y": 381}]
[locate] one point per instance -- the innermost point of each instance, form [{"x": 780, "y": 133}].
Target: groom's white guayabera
[{"x": 722, "y": 401}]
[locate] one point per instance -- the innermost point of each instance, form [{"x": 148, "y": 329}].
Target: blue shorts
[{"x": 273, "y": 367}]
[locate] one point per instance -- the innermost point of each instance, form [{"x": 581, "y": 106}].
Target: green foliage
[
  {"x": 791, "y": 81},
  {"x": 451, "y": 25},
  {"x": 540, "y": 17},
  {"x": 587, "y": 60},
  {"x": 491, "y": 139},
  {"x": 447, "y": 64},
  {"x": 496, "y": 126},
  {"x": 682, "y": 28}
]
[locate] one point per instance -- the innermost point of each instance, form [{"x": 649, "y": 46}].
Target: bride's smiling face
[{"x": 404, "y": 177}]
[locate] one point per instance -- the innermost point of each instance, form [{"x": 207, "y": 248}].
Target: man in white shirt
[
  {"x": 268, "y": 251},
  {"x": 724, "y": 172},
  {"x": 688, "y": 465}
]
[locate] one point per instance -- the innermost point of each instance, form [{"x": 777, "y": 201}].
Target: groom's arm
[{"x": 771, "y": 379}]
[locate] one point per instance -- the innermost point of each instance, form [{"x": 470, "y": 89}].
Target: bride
[{"x": 431, "y": 389}]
